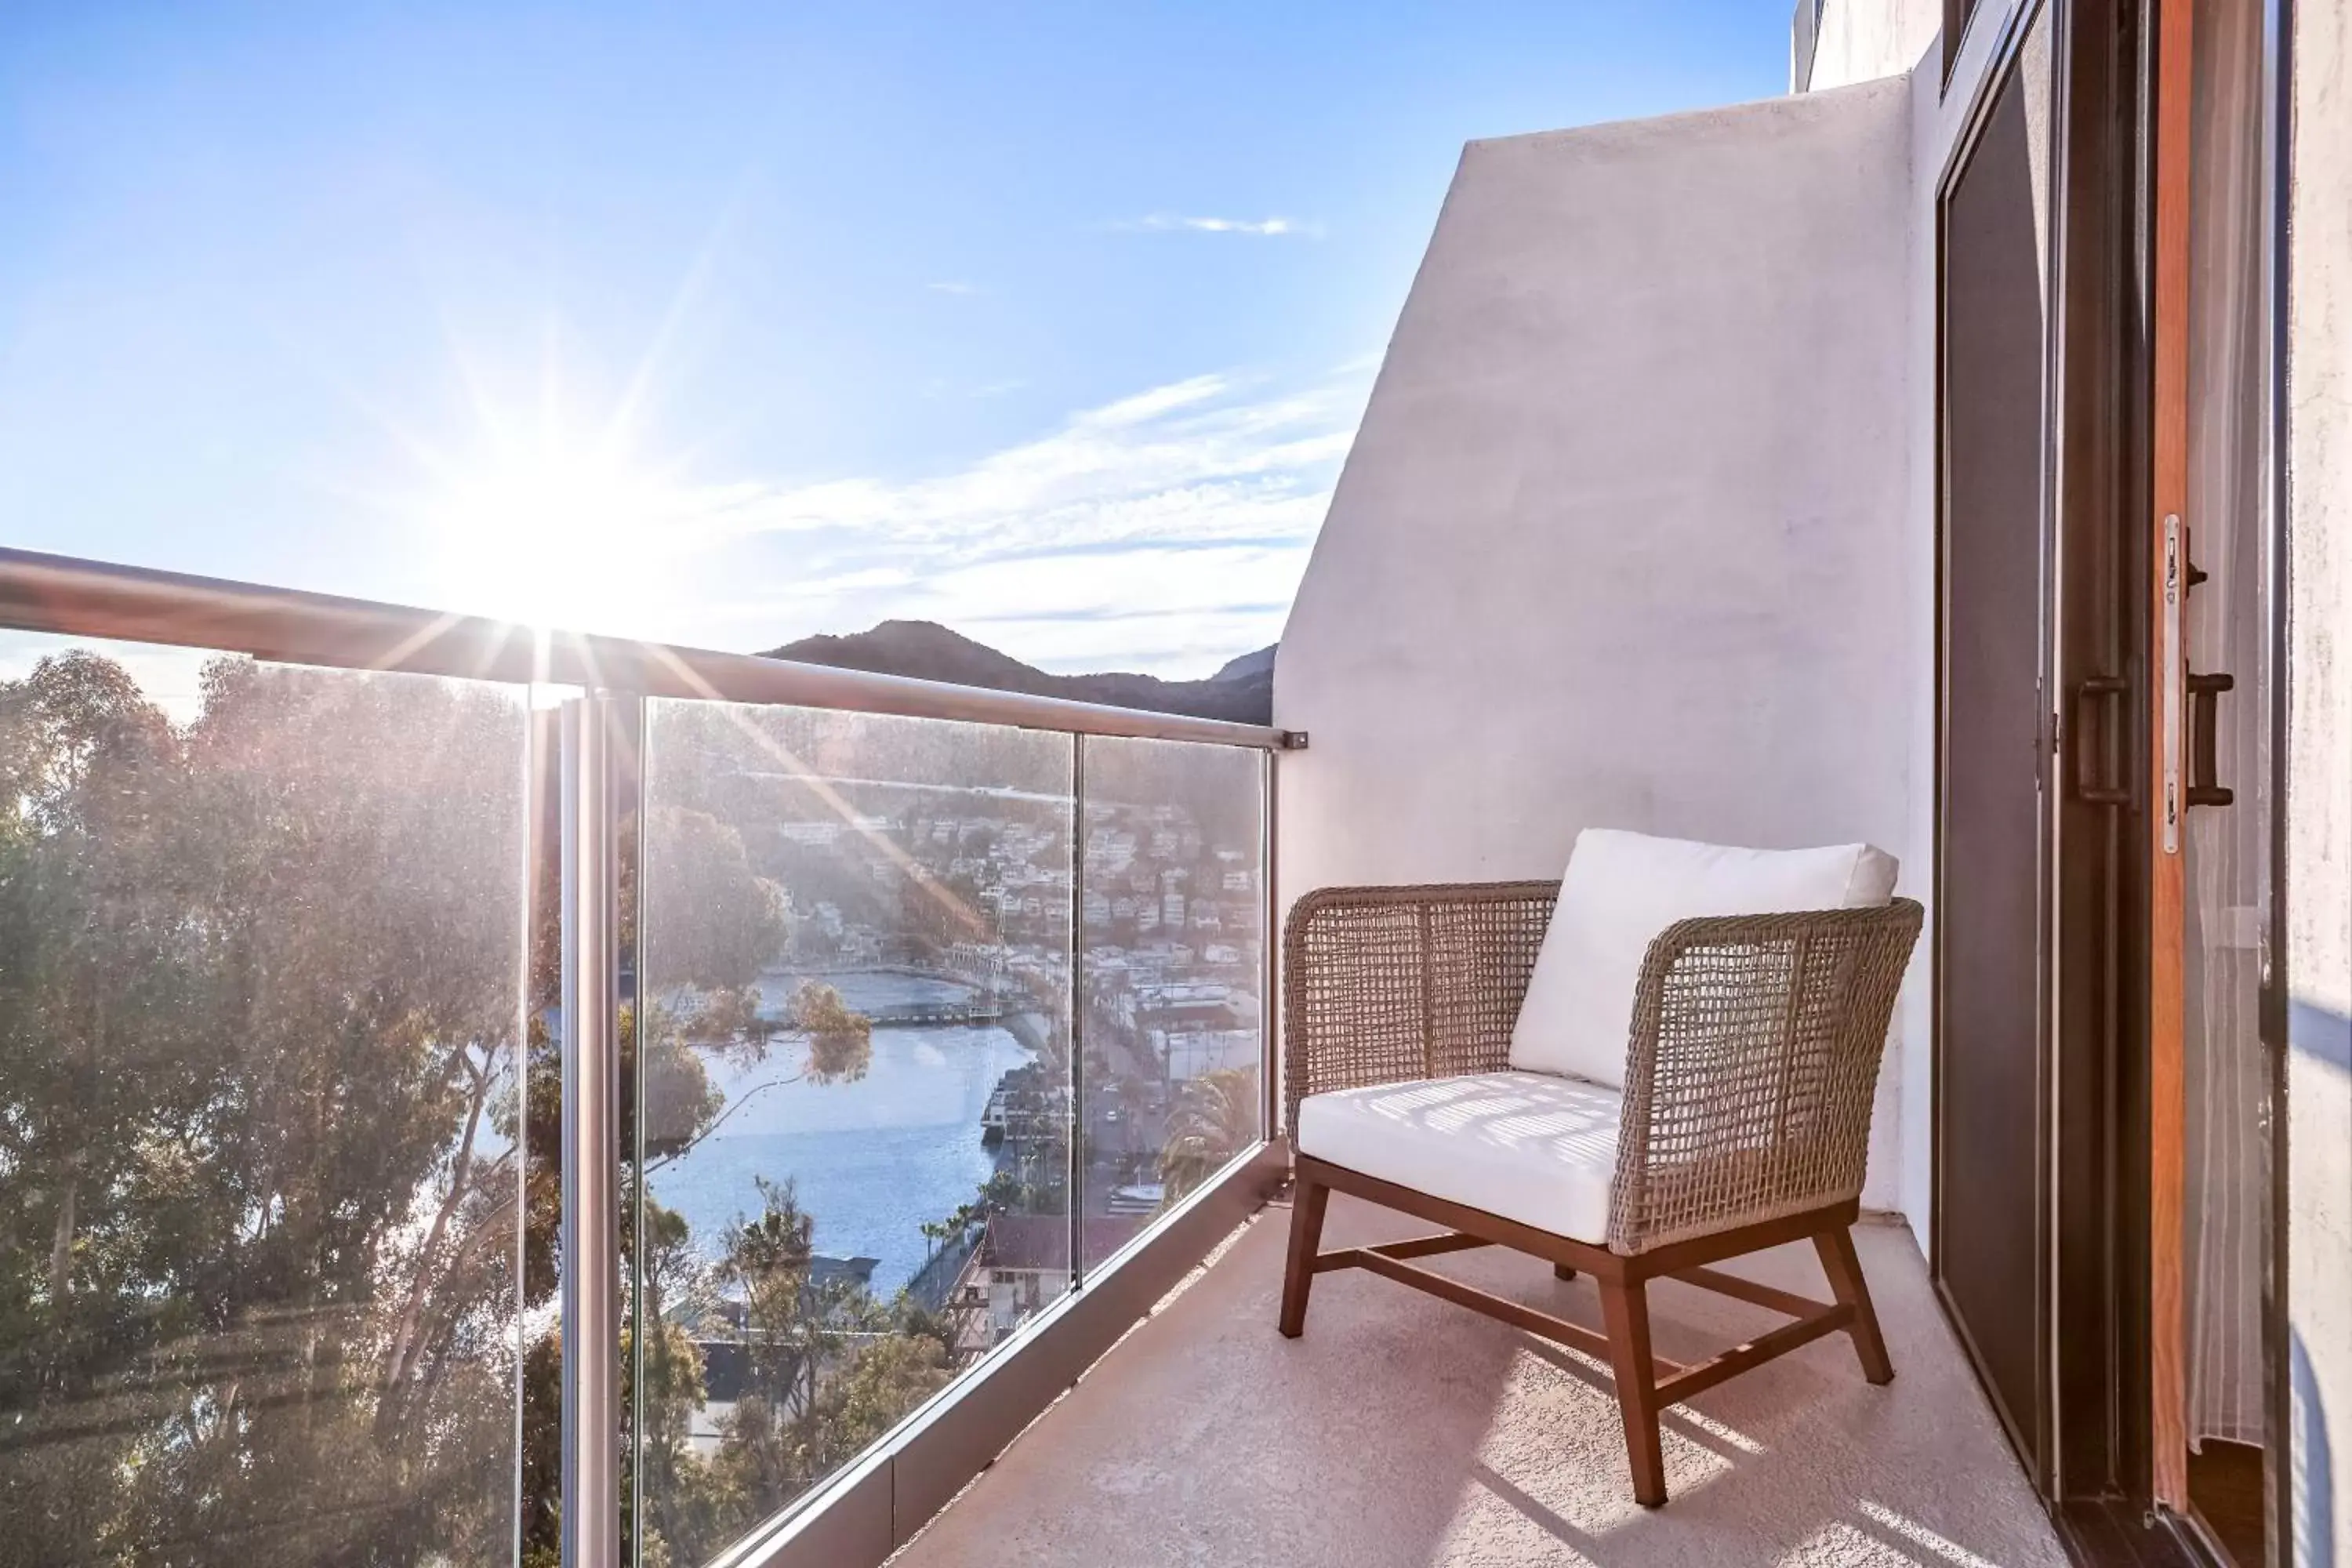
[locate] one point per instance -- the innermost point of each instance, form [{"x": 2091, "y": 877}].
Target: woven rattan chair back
[{"x": 1752, "y": 1055}]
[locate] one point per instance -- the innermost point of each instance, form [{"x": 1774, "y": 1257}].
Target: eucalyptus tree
[{"x": 261, "y": 1011}]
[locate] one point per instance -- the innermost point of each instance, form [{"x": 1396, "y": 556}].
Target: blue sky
[{"x": 723, "y": 324}]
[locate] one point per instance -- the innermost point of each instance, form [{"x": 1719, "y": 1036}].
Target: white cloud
[
  {"x": 1265, "y": 226},
  {"x": 1165, "y": 531},
  {"x": 1191, "y": 460}
]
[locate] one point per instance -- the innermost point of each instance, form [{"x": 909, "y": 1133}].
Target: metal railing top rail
[{"x": 58, "y": 593}]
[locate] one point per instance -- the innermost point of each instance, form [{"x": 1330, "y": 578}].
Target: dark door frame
[
  {"x": 2093, "y": 1464},
  {"x": 2088, "y": 1451},
  {"x": 2279, "y": 149},
  {"x": 2101, "y": 1362}
]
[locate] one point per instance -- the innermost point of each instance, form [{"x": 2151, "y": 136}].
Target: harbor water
[{"x": 874, "y": 1159}]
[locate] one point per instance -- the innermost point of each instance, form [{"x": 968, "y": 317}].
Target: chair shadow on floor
[{"x": 1402, "y": 1432}]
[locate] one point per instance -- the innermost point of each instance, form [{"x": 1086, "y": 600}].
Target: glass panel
[
  {"x": 2226, "y": 850},
  {"x": 1991, "y": 1069},
  {"x": 853, "y": 1112},
  {"x": 260, "y": 991},
  {"x": 1175, "y": 899}
]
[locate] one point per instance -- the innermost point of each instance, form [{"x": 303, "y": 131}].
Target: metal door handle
[
  {"x": 2204, "y": 692},
  {"x": 2204, "y": 714},
  {"x": 2096, "y": 748},
  {"x": 2173, "y": 664}
]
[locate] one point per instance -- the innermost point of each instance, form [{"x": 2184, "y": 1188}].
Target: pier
[{"x": 938, "y": 1015}]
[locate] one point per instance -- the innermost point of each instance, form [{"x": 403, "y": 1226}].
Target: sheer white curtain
[{"x": 2228, "y": 630}]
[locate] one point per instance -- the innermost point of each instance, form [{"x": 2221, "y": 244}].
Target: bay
[{"x": 873, "y": 1160}]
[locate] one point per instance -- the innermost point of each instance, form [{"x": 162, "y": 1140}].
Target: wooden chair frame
[
  {"x": 1751, "y": 1059},
  {"x": 1645, "y": 1384}
]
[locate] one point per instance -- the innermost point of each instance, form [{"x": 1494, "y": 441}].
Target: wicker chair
[{"x": 1752, "y": 1063}]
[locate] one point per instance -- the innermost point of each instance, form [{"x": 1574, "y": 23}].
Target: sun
[{"x": 562, "y": 531}]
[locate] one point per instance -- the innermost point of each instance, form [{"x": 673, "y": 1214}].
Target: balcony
[
  {"x": 472, "y": 1095},
  {"x": 406, "y": 1010}
]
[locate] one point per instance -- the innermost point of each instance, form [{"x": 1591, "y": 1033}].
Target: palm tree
[{"x": 1215, "y": 1118}]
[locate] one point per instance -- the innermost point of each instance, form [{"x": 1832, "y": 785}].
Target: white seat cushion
[
  {"x": 1620, "y": 891},
  {"x": 1524, "y": 1145}
]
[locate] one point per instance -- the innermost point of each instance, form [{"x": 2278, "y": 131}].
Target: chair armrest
[
  {"x": 1392, "y": 985},
  {"x": 1751, "y": 1067}
]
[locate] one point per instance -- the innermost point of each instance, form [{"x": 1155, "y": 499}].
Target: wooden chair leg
[
  {"x": 1625, "y": 1311},
  {"x": 1846, "y": 1283},
  {"x": 1562, "y": 1271},
  {"x": 1306, "y": 1205}
]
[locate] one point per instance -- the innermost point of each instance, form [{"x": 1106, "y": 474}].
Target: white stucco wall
[
  {"x": 2319, "y": 789},
  {"x": 1863, "y": 39},
  {"x": 1622, "y": 538}
]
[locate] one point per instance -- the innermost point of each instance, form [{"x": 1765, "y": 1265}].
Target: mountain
[
  {"x": 1242, "y": 691},
  {"x": 1250, "y": 666}
]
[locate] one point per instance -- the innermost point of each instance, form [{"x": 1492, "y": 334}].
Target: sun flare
[{"x": 562, "y": 532}]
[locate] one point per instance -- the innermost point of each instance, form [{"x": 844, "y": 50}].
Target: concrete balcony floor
[{"x": 1404, "y": 1431}]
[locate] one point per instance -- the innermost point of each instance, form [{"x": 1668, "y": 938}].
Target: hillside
[{"x": 1241, "y": 690}]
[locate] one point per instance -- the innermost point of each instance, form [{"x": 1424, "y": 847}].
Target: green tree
[
  {"x": 1215, "y": 1118},
  {"x": 890, "y": 1375},
  {"x": 840, "y": 1041},
  {"x": 710, "y": 920},
  {"x": 830, "y": 1369}
]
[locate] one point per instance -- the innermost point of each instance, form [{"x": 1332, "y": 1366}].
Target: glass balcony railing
[
  {"x": 470, "y": 1096},
  {"x": 854, "y": 1088},
  {"x": 1173, "y": 958},
  {"x": 262, "y": 1280}
]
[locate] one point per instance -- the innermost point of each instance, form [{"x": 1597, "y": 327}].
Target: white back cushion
[{"x": 1620, "y": 891}]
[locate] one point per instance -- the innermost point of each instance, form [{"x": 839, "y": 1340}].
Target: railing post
[
  {"x": 1269, "y": 947},
  {"x": 1076, "y": 1203},
  {"x": 591, "y": 1503}
]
